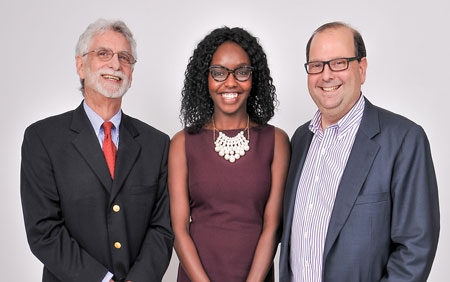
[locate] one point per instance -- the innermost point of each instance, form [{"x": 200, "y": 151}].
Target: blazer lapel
[
  {"x": 87, "y": 144},
  {"x": 358, "y": 165},
  {"x": 126, "y": 154},
  {"x": 300, "y": 147}
]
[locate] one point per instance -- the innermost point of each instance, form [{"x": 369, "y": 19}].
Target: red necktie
[{"x": 109, "y": 149}]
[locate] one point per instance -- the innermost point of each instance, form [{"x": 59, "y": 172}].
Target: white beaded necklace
[{"x": 231, "y": 148}]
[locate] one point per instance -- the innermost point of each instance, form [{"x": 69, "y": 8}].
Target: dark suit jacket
[
  {"x": 68, "y": 197},
  {"x": 385, "y": 221}
]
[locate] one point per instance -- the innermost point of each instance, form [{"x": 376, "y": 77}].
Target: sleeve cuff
[{"x": 107, "y": 277}]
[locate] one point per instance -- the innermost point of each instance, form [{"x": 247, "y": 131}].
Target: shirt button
[
  {"x": 117, "y": 245},
  {"x": 306, "y": 263},
  {"x": 305, "y": 235},
  {"x": 323, "y": 152},
  {"x": 116, "y": 208},
  {"x": 310, "y": 207},
  {"x": 316, "y": 178}
]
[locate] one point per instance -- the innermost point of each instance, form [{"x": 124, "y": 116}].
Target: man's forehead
[
  {"x": 335, "y": 33},
  {"x": 333, "y": 38}
]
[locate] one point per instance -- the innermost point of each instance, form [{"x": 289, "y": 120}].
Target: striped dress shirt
[{"x": 316, "y": 192}]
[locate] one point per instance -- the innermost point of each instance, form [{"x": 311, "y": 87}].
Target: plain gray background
[{"x": 407, "y": 45}]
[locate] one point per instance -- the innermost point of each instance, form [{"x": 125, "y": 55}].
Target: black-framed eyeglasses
[
  {"x": 339, "y": 64},
  {"x": 105, "y": 54},
  {"x": 220, "y": 73}
]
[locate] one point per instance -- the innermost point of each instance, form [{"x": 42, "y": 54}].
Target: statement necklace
[{"x": 231, "y": 148}]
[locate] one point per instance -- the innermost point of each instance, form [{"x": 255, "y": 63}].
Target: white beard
[{"x": 102, "y": 86}]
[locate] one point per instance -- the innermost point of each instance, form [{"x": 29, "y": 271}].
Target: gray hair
[{"x": 98, "y": 27}]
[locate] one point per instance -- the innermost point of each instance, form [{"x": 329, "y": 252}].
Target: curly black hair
[{"x": 197, "y": 107}]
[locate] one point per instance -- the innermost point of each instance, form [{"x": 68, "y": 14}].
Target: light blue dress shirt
[{"x": 97, "y": 122}]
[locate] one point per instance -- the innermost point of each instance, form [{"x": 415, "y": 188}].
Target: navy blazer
[
  {"x": 385, "y": 221},
  {"x": 68, "y": 197}
]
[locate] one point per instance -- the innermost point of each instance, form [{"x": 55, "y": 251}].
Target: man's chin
[
  {"x": 113, "y": 95},
  {"x": 112, "y": 90},
  {"x": 105, "y": 90}
]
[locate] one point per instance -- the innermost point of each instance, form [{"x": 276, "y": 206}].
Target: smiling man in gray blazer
[
  {"x": 361, "y": 200},
  {"x": 94, "y": 180}
]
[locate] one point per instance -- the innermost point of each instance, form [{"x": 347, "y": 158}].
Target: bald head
[{"x": 360, "y": 48}]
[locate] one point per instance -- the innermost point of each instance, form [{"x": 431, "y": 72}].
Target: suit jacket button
[
  {"x": 117, "y": 245},
  {"x": 116, "y": 208}
]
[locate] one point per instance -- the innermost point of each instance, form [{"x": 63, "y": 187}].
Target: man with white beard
[{"x": 94, "y": 180}]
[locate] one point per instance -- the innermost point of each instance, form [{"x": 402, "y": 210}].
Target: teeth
[
  {"x": 107, "y": 76},
  {"x": 330, "y": 88},
  {"x": 229, "y": 95}
]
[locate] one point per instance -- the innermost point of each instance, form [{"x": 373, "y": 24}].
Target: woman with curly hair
[{"x": 227, "y": 168}]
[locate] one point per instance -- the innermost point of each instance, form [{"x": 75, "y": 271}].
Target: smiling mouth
[
  {"x": 332, "y": 88},
  {"x": 111, "y": 77},
  {"x": 229, "y": 95}
]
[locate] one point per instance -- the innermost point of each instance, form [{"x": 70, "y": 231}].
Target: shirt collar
[
  {"x": 345, "y": 122},
  {"x": 97, "y": 121}
]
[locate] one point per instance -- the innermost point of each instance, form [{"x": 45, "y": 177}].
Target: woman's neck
[{"x": 222, "y": 122}]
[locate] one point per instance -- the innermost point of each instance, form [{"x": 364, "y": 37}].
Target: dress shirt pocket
[
  {"x": 372, "y": 198},
  {"x": 143, "y": 189}
]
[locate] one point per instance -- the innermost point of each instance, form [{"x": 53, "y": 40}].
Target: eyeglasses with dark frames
[
  {"x": 220, "y": 73},
  {"x": 339, "y": 64},
  {"x": 105, "y": 54}
]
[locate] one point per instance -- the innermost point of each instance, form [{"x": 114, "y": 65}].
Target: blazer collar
[
  {"x": 86, "y": 143},
  {"x": 358, "y": 165},
  {"x": 300, "y": 148},
  {"x": 127, "y": 154},
  {"x": 299, "y": 144}
]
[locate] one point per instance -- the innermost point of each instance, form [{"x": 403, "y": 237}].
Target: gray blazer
[{"x": 385, "y": 221}]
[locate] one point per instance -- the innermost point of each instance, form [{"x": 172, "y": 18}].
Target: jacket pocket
[
  {"x": 143, "y": 189},
  {"x": 372, "y": 198}
]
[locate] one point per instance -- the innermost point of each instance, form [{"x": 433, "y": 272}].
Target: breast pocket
[
  {"x": 372, "y": 198},
  {"x": 143, "y": 189}
]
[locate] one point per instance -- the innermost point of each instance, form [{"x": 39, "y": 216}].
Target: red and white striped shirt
[{"x": 316, "y": 192}]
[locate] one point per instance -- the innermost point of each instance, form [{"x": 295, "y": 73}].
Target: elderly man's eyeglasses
[
  {"x": 220, "y": 73},
  {"x": 105, "y": 55},
  {"x": 339, "y": 64}
]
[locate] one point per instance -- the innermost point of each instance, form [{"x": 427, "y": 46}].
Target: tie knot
[{"x": 107, "y": 125}]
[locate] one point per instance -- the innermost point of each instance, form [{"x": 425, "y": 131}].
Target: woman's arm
[
  {"x": 268, "y": 241},
  {"x": 180, "y": 210}
]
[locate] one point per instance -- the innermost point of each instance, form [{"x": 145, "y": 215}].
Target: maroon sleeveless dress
[{"x": 227, "y": 202}]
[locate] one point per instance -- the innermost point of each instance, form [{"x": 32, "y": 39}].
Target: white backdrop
[{"x": 407, "y": 44}]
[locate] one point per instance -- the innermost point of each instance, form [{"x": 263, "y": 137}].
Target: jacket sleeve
[
  {"x": 415, "y": 211},
  {"x": 48, "y": 237},
  {"x": 156, "y": 251}
]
